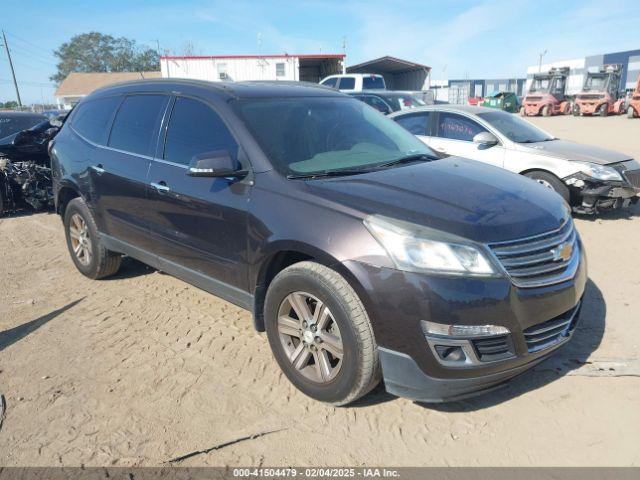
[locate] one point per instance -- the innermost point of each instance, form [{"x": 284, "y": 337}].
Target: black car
[
  {"x": 25, "y": 176},
  {"x": 360, "y": 255},
  {"x": 388, "y": 101}
]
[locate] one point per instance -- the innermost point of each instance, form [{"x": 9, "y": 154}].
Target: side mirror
[
  {"x": 214, "y": 164},
  {"x": 485, "y": 139}
]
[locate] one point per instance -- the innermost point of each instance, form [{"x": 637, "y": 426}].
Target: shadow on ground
[
  {"x": 130, "y": 268},
  {"x": 15, "y": 334},
  {"x": 574, "y": 354}
]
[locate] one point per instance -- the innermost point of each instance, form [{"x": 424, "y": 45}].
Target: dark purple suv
[{"x": 360, "y": 253}]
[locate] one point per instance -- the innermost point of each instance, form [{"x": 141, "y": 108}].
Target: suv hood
[
  {"x": 455, "y": 195},
  {"x": 566, "y": 150}
]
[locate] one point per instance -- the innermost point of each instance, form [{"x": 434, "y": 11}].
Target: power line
[{"x": 31, "y": 45}]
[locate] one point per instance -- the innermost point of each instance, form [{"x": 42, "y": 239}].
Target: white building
[
  {"x": 578, "y": 67},
  {"x": 309, "y": 68}
]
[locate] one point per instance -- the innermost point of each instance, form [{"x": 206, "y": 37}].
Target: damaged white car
[{"x": 589, "y": 178}]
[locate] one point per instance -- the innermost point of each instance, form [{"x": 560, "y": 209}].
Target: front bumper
[
  {"x": 591, "y": 196},
  {"x": 398, "y": 301},
  {"x": 403, "y": 378}
]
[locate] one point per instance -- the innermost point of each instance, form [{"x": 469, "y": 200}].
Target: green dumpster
[{"x": 507, "y": 101}]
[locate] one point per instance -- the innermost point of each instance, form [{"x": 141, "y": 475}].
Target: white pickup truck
[{"x": 355, "y": 82}]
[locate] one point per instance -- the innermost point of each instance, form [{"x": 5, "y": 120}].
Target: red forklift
[
  {"x": 601, "y": 93},
  {"x": 547, "y": 94},
  {"x": 633, "y": 110}
]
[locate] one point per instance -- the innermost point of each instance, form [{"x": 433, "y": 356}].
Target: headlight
[
  {"x": 415, "y": 248},
  {"x": 599, "y": 172}
]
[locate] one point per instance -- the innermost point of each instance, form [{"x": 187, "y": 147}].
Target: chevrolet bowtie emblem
[{"x": 562, "y": 252}]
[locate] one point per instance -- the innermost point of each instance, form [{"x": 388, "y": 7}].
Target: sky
[{"x": 457, "y": 38}]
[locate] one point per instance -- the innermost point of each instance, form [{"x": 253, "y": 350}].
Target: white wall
[{"x": 237, "y": 69}]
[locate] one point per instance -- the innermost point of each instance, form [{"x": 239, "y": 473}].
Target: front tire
[
  {"x": 631, "y": 113},
  {"x": 603, "y": 111},
  {"x": 320, "y": 334},
  {"x": 88, "y": 253},
  {"x": 549, "y": 180},
  {"x": 576, "y": 110}
]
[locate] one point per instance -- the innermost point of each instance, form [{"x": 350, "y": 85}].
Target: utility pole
[
  {"x": 344, "y": 51},
  {"x": 542, "y": 54},
  {"x": 13, "y": 73}
]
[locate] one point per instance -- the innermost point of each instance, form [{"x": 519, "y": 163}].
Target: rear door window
[
  {"x": 137, "y": 123},
  {"x": 458, "y": 127},
  {"x": 373, "y": 83},
  {"x": 347, "y": 83},
  {"x": 93, "y": 118},
  {"x": 416, "y": 123},
  {"x": 195, "y": 128}
]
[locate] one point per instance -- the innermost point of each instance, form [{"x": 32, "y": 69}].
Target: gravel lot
[{"x": 142, "y": 368}]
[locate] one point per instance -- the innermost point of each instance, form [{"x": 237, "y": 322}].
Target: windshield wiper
[
  {"x": 407, "y": 159},
  {"x": 329, "y": 173}
]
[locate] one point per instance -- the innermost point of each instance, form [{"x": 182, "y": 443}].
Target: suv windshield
[
  {"x": 312, "y": 135},
  {"x": 514, "y": 128}
]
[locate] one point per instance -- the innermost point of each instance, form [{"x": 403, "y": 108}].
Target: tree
[
  {"x": 10, "y": 105},
  {"x": 96, "y": 52}
]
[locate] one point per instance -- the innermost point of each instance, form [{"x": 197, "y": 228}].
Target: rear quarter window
[
  {"x": 92, "y": 118},
  {"x": 416, "y": 123}
]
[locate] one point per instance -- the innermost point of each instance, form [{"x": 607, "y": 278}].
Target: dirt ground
[{"x": 142, "y": 368}]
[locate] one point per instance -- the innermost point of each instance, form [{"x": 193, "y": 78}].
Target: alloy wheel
[
  {"x": 310, "y": 337},
  {"x": 80, "y": 239}
]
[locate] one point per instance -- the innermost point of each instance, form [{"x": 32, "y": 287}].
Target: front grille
[
  {"x": 633, "y": 177},
  {"x": 540, "y": 260},
  {"x": 551, "y": 332},
  {"x": 493, "y": 348}
]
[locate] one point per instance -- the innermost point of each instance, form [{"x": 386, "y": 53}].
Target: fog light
[
  {"x": 431, "y": 328},
  {"x": 451, "y": 354}
]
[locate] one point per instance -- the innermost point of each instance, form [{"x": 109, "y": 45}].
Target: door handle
[
  {"x": 98, "y": 169},
  {"x": 160, "y": 187}
]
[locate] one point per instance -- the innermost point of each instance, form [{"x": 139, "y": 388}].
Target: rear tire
[
  {"x": 523, "y": 112},
  {"x": 88, "y": 253},
  {"x": 631, "y": 113},
  {"x": 546, "y": 111},
  {"x": 353, "y": 368},
  {"x": 549, "y": 180}
]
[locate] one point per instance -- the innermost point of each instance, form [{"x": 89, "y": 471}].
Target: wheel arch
[
  {"x": 65, "y": 193},
  {"x": 285, "y": 255}
]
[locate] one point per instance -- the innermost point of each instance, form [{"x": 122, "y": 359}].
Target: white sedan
[{"x": 589, "y": 178}]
